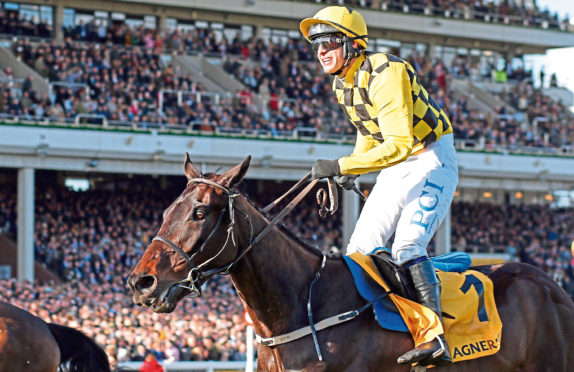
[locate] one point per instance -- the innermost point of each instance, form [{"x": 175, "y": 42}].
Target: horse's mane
[{"x": 284, "y": 229}]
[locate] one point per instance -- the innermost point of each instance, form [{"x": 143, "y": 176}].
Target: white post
[
  {"x": 25, "y": 259},
  {"x": 351, "y": 210},
  {"x": 443, "y": 236},
  {"x": 249, "y": 349}
]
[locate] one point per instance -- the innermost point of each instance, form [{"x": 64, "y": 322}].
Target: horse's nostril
[{"x": 146, "y": 283}]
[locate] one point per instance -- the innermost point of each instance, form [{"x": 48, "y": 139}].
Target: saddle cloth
[{"x": 472, "y": 326}]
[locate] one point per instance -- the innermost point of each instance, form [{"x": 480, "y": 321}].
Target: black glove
[
  {"x": 347, "y": 181},
  {"x": 325, "y": 168}
]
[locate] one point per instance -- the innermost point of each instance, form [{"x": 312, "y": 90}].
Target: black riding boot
[{"x": 427, "y": 289}]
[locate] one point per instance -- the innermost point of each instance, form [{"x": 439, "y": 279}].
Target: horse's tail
[{"x": 79, "y": 352}]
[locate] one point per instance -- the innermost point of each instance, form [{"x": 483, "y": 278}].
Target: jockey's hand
[
  {"x": 347, "y": 181},
  {"x": 325, "y": 168}
]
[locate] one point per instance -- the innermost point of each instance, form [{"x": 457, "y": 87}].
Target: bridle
[{"x": 196, "y": 275}]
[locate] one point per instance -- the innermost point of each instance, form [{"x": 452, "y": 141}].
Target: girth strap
[{"x": 325, "y": 323}]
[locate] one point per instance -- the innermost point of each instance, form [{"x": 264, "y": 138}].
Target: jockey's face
[{"x": 331, "y": 59}]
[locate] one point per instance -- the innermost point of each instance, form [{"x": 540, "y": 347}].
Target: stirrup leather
[{"x": 441, "y": 351}]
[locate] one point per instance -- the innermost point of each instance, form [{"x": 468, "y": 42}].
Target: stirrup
[
  {"x": 418, "y": 368},
  {"x": 424, "y": 355},
  {"x": 441, "y": 357}
]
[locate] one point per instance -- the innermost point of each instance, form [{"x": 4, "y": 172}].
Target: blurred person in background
[{"x": 151, "y": 364}]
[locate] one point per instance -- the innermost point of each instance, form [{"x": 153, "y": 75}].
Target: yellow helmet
[{"x": 342, "y": 18}]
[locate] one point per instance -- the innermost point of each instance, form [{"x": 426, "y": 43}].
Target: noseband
[{"x": 196, "y": 276}]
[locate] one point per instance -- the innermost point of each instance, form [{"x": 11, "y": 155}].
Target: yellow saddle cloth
[{"x": 472, "y": 326}]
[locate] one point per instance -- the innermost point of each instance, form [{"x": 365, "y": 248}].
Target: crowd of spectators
[
  {"x": 8, "y": 211},
  {"x": 537, "y": 234},
  {"x": 209, "y": 328},
  {"x": 14, "y": 23},
  {"x": 284, "y": 89},
  {"x": 79, "y": 235},
  {"x": 552, "y": 123},
  {"x": 112, "y": 82}
]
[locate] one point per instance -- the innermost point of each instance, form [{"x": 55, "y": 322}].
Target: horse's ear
[
  {"x": 234, "y": 175},
  {"x": 190, "y": 169}
]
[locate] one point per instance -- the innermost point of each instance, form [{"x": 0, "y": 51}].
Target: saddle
[
  {"x": 400, "y": 283},
  {"x": 395, "y": 276},
  {"x": 471, "y": 323}
]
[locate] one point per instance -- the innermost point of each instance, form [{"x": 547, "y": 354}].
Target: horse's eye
[{"x": 199, "y": 214}]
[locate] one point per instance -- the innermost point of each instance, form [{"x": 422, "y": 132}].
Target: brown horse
[
  {"x": 27, "y": 343},
  {"x": 210, "y": 229}
]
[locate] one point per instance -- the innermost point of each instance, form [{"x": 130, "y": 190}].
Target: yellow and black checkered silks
[{"x": 393, "y": 113}]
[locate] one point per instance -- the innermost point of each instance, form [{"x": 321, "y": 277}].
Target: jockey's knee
[
  {"x": 353, "y": 247},
  {"x": 404, "y": 254}
]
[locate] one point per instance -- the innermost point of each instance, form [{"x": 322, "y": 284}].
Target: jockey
[{"x": 401, "y": 132}]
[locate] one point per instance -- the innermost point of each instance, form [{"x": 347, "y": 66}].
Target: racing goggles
[{"x": 328, "y": 42}]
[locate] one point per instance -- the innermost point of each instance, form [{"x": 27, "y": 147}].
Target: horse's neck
[{"x": 274, "y": 277}]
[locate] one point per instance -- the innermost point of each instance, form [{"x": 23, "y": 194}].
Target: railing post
[
  {"x": 25, "y": 234},
  {"x": 249, "y": 342}
]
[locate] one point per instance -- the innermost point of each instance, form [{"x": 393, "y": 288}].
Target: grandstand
[{"x": 99, "y": 102}]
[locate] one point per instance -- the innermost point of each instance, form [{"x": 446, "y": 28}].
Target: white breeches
[{"x": 409, "y": 199}]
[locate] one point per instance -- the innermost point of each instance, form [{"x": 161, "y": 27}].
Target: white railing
[
  {"x": 53, "y": 84},
  {"x": 209, "y": 366},
  {"x": 300, "y": 133},
  {"x": 10, "y": 80},
  {"x": 214, "y": 98},
  {"x": 91, "y": 119}
]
